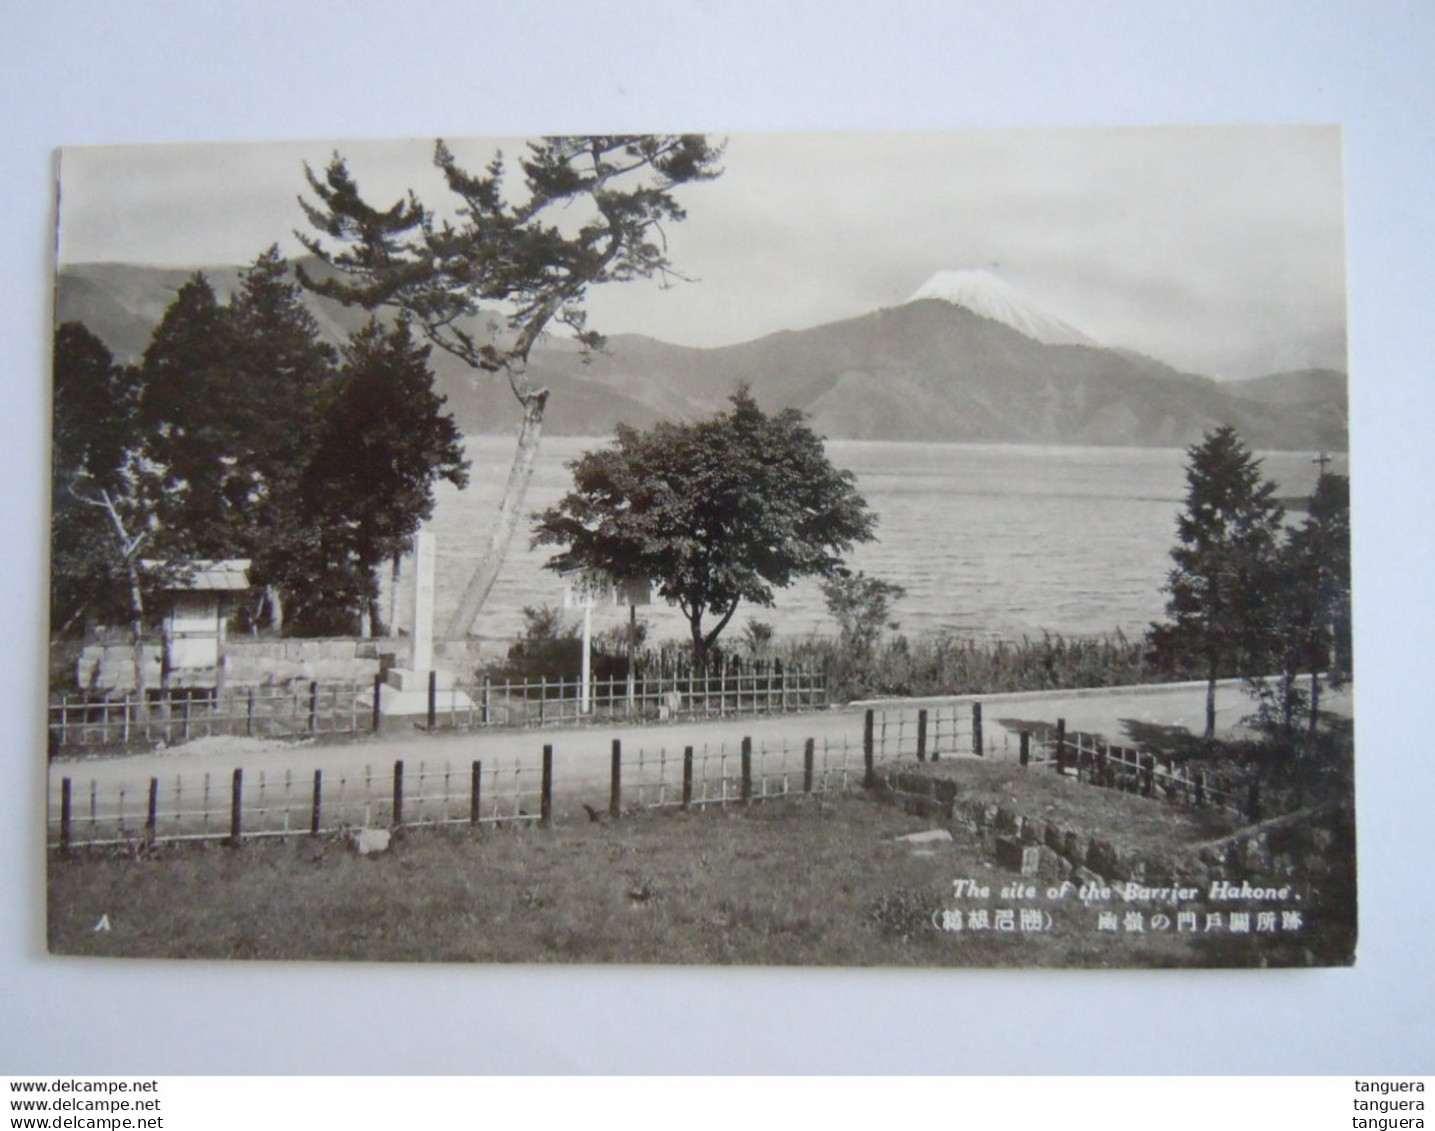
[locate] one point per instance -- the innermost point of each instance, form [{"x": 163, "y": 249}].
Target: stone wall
[
  {"x": 264, "y": 662},
  {"x": 1314, "y": 848}
]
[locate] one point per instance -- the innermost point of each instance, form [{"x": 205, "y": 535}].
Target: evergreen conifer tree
[{"x": 1223, "y": 589}]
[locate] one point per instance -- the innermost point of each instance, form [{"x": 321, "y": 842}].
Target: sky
[{"x": 1220, "y": 250}]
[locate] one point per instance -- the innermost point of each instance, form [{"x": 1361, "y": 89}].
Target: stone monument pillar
[
  {"x": 407, "y": 688},
  {"x": 421, "y": 651}
]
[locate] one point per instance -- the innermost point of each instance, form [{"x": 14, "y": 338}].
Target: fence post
[
  {"x": 545, "y": 802},
  {"x": 315, "y": 809},
  {"x": 977, "y": 743},
  {"x": 746, "y": 770},
  {"x": 313, "y": 705},
  {"x": 65, "y": 801},
  {"x": 433, "y": 700},
  {"x": 1102, "y": 773},
  {"x": 1148, "y": 775},
  {"x": 615, "y": 788},
  {"x": 1025, "y": 755},
  {"x": 151, "y": 821},
  {"x": 378, "y": 709},
  {"x": 184, "y": 719},
  {"x": 869, "y": 777},
  {"x": 475, "y": 793},
  {"x": 809, "y": 759},
  {"x": 236, "y": 809},
  {"x": 483, "y": 703},
  {"x": 1199, "y": 784},
  {"x": 398, "y": 793},
  {"x": 922, "y": 735},
  {"x": 1061, "y": 746},
  {"x": 687, "y": 777},
  {"x": 249, "y": 718}
]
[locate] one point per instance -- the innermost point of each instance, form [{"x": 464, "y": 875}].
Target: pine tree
[
  {"x": 285, "y": 377},
  {"x": 102, "y": 511},
  {"x": 1314, "y": 600},
  {"x": 615, "y": 193},
  {"x": 190, "y": 411},
  {"x": 1224, "y": 587},
  {"x": 232, "y": 397},
  {"x": 385, "y": 443},
  {"x": 96, "y": 434}
]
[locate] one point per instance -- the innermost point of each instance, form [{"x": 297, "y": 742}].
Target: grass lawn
[{"x": 790, "y": 882}]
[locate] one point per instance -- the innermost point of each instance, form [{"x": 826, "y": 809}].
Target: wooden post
[
  {"x": 809, "y": 759},
  {"x": 1199, "y": 782},
  {"x": 746, "y": 770},
  {"x": 687, "y": 777},
  {"x": 1148, "y": 775},
  {"x": 922, "y": 735},
  {"x": 151, "y": 822},
  {"x": 236, "y": 809},
  {"x": 1061, "y": 746},
  {"x": 483, "y": 703},
  {"x": 184, "y": 719},
  {"x": 398, "y": 793},
  {"x": 1102, "y": 775},
  {"x": 249, "y": 720},
  {"x": 545, "y": 801},
  {"x": 615, "y": 788},
  {"x": 977, "y": 744},
  {"x": 433, "y": 701},
  {"x": 378, "y": 698},
  {"x": 313, "y": 705},
  {"x": 475, "y": 795},
  {"x": 869, "y": 756},
  {"x": 315, "y": 810},
  {"x": 1025, "y": 755},
  {"x": 66, "y": 790}
]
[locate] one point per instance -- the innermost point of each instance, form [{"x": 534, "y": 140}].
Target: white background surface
[{"x": 97, "y": 73}]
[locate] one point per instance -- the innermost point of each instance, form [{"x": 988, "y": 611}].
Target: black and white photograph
[{"x": 905, "y": 548}]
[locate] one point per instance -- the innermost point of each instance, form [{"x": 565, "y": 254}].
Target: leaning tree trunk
[{"x": 509, "y": 513}]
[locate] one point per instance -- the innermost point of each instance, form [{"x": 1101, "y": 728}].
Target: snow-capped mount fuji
[
  {"x": 969, "y": 359},
  {"x": 985, "y": 294}
]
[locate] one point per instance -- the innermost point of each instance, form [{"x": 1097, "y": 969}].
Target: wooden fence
[
  {"x": 1089, "y": 758},
  {"x": 301, "y": 708},
  {"x": 928, "y": 733},
  {"x": 317, "y": 708},
  {"x": 650, "y": 697},
  {"x": 238, "y": 805}
]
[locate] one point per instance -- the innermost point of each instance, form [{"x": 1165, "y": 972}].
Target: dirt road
[{"x": 652, "y": 755}]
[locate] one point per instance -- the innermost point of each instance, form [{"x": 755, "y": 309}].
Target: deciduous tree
[{"x": 715, "y": 512}]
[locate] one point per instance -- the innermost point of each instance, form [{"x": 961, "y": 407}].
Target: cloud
[{"x": 1217, "y": 249}]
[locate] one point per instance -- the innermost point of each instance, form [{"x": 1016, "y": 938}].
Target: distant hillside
[{"x": 929, "y": 369}]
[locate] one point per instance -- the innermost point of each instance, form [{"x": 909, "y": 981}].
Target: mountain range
[{"x": 967, "y": 358}]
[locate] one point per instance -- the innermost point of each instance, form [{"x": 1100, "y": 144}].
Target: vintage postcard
[{"x": 908, "y": 549}]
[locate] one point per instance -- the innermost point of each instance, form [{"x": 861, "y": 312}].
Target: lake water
[{"x": 989, "y": 541}]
